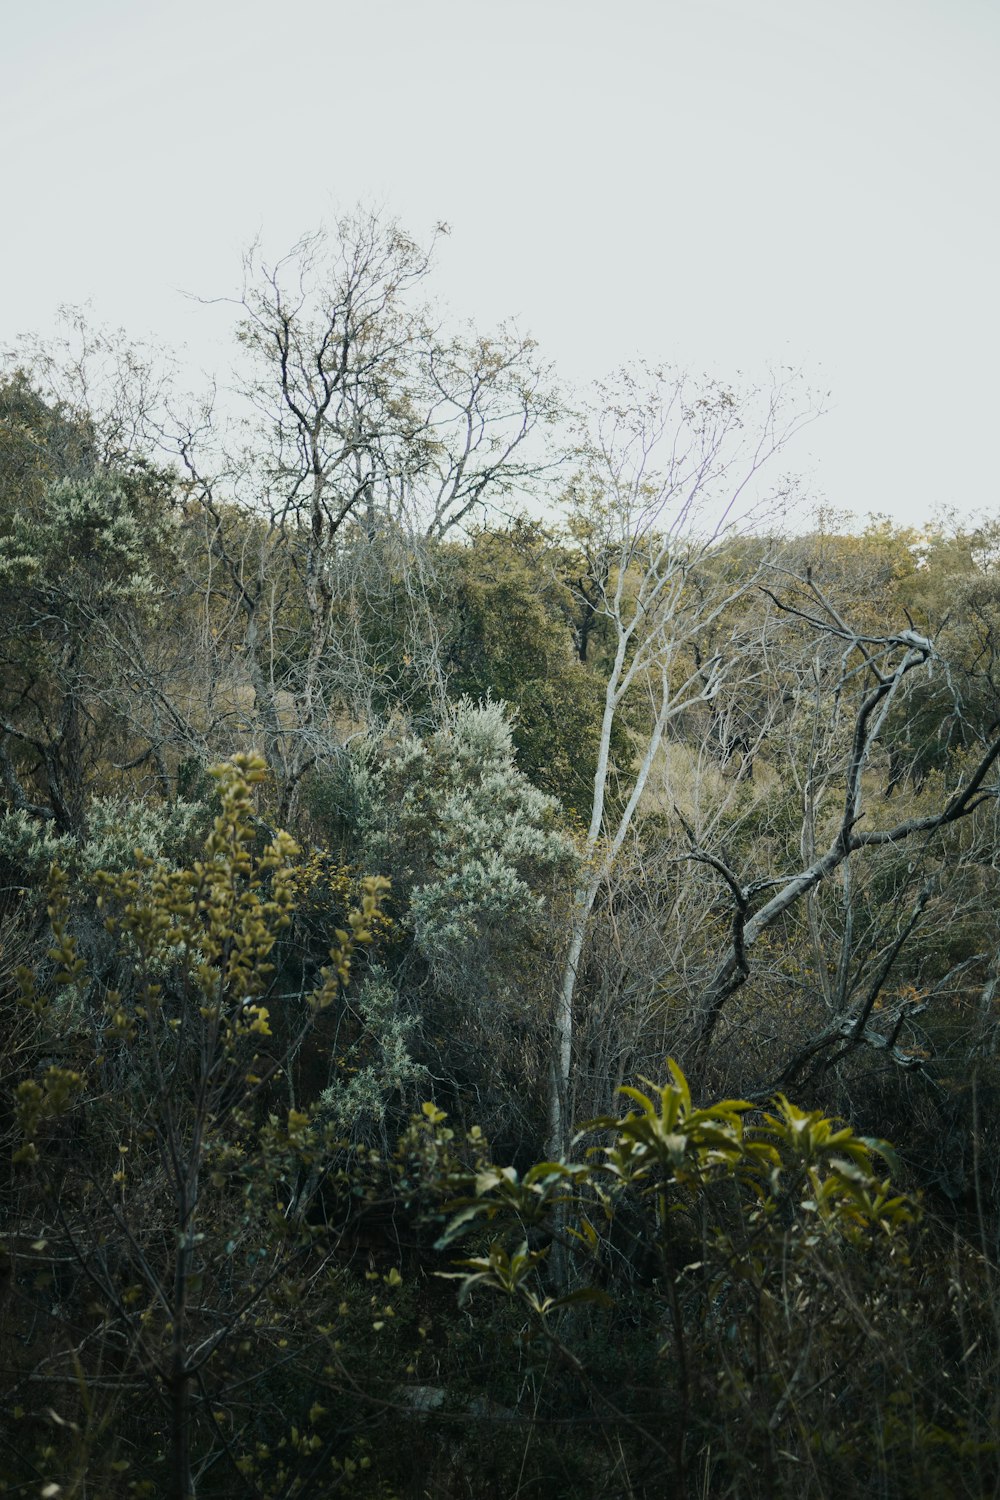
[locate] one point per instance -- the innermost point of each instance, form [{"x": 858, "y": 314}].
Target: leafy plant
[{"x": 164, "y": 1166}]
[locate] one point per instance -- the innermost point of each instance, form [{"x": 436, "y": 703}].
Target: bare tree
[
  {"x": 366, "y": 424},
  {"x": 838, "y": 761},
  {"x": 668, "y": 472}
]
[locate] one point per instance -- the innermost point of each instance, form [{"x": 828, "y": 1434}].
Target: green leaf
[{"x": 885, "y": 1150}]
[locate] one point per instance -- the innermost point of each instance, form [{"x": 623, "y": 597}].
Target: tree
[
  {"x": 364, "y": 419},
  {"x": 869, "y": 673},
  {"x": 666, "y": 472},
  {"x": 183, "y": 1166},
  {"x": 477, "y": 858},
  {"x": 81, "y": 541},
  {"x": 504, "y": 616}
]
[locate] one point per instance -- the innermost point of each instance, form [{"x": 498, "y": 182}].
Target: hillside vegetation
[{"x": 500, "y": 931}]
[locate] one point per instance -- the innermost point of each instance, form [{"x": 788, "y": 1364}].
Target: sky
[{"x": 724, "y": 185}]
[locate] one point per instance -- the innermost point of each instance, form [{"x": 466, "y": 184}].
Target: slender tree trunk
[
  {"x": 560, "y": 1102},
  {"x": 599, "y": 861}
]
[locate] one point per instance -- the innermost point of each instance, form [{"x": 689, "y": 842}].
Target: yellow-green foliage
[
  {"x": 749, "y": 1254},
  {"x": 166, "y": 1164}
]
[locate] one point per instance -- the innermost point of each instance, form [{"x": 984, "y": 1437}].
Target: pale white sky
[{"x": 729, "y": 184}]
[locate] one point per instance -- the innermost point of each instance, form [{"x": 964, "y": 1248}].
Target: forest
[{"x": 499, "y": 928}]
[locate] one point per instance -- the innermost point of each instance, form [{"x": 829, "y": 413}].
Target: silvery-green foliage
[
  {"x": 117, "y": 827},
  {"x": 97, "y": 532},
  {"x": 378, "y": 1069},
  {"x": 32, "y": 847},
  {"x": 455, "y": 917},
  {"x": 471, "y": 843}
]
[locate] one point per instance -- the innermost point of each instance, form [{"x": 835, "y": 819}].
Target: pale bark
[
  {"x": 751, "y": 922},
  {"x": 366, "y": 425},
  {"x": 665, "y": 471}
]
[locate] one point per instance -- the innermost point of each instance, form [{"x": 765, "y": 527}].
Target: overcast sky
[{"x": 723, "y": 184}]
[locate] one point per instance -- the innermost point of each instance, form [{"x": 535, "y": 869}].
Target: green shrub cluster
[{"x": 214, "y": 1288}]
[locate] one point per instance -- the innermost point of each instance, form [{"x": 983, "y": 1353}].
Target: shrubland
[{"x": 461, "y": 973}]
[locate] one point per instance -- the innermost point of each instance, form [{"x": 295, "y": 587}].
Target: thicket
[{"x": 364, "y": 854}]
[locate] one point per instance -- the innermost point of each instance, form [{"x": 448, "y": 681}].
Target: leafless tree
[
  {"x": 850, "y": 713},
  {"x": 668, "y": 470},
  {"x": 369, "y": 429}
]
